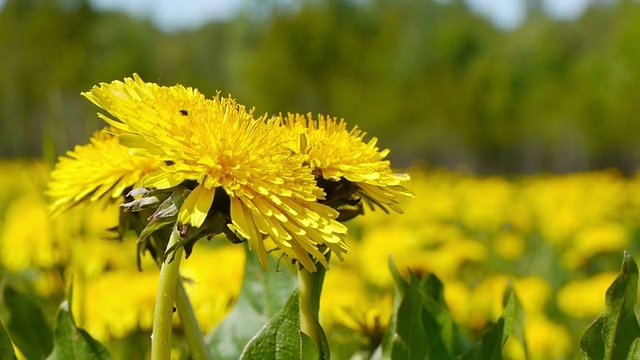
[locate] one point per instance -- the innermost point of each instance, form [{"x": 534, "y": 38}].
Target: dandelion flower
[
  {"x": 347, "y": 167},
  {"x": 234, "y": 164},
  {"x": 102, "y": 168}
]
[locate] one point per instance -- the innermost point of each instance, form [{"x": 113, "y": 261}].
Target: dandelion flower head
[
  {"x": 338, "y": 155},
  {"x": 102, "y": 168},
  {"x": 239, "y": 165}
]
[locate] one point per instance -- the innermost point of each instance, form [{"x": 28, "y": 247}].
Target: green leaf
[
  {"x": 493, "y": 340},
  {"x": 514, "y": 317},
  {"x": 490, "y": 347},
  {"x": 615, "y": 333},
  {"x": 439, "y": 321},
  {"x": 71, "y": 342},
  {"x": 6, "y": 348},
  {"x": 282, "y": 338},
  {"x": 634, "y": 352},
  {"x": 421, "y": 325},
  {"x": 279, "y": 339},
  {"x": 384, "y": 352},
  {"x": 411, "y": 336},
  {"x": 308, "y": 349},
  {"x": 263, "y": 293},
  {"x": 27, "y": 326}
]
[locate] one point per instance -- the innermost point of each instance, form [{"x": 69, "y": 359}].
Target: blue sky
[
  {"x": 176, "y": 14},
  {"x": 183, "y": 14},
  {"x": 508, "y": 14}
]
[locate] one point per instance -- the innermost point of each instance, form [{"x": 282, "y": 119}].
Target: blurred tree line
[{"x": 434, "y": 81}]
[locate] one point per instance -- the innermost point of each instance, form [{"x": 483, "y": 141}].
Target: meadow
[{"x": 556, "y": 239}]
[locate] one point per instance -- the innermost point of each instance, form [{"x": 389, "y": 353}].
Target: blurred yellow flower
[
  {"x": 477, "y": 305},
  {"x": 583, "y": 299},
  {"x": 509, "y": 245},
  {"x": 485, "y": 204},
  {"x": 213, "y": 293},
  {"x": 545, "y": 340},
  {"x": 121, "y": 301},
  {"x": 357, "y": 309},
  {"x": 595, "y": 239},
  {"x": 101, "y": 168},
  {"x": 337, "y": 154},
  {"x": 26, "y": 239},
  {"x": 241, "y": 165},
  {"x": 116, "y": 303},
  {"x": 534, "y": 293}
]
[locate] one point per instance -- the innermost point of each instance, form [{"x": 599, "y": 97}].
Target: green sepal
[{"x": 614, "y": 335}]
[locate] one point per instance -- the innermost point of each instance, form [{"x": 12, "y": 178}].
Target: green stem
[
  {"x": 192, "y": 332},
  {"x": 308, "y": 319},
  {"x": 163, "y": 315}
]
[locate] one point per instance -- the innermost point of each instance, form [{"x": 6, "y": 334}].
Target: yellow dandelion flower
[
  {"x": 583, "y": 299},
  {"x": 345, "y": 164},
  {"x": 234, "y": 164},
  {"x": 101, "y": 168}
]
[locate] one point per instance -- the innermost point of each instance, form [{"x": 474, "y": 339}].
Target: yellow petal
[
  {"x": 161, "y": 180},
  {"x": 196, "y": 206}
]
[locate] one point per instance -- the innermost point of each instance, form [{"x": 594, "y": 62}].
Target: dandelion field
[{"x": 556, "y": 240}]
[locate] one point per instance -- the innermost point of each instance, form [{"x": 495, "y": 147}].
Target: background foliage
[{"x": 440, "y": 82}]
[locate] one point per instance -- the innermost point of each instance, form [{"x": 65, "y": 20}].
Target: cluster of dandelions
[{"x": 200, "y": 166}]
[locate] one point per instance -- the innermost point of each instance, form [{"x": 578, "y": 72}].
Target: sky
[
  {"x": 508, "y": 14},
  {"x": 171, "y": 15},
  {"x": 176, "y": 14}
]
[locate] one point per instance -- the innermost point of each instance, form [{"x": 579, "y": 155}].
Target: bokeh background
[
  {"x": 516, "y": 119},
  {"x": 443, "y": 83}
]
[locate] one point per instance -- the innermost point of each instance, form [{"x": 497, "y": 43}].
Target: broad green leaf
[
  {"x": 263, "y": 293},
  {"x": 411, "y": 336},
  {"x": 27, "y": 326},
  {"x": 71, "y": 342},
  {"x": 450, "y": 340},
  {"x": 614, "y": 334},
  {"x": 421, "y": 325},
  {"x": 280, "y": 338},
  {"x": 6, "y": 349}
]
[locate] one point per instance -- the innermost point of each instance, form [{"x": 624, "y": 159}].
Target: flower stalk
[
  {"x": 192, "y": 332},
  {"x": 308, "y": 310},
  {"x": 163, "y": 314},
  {"x": 308, "y": 317}
]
